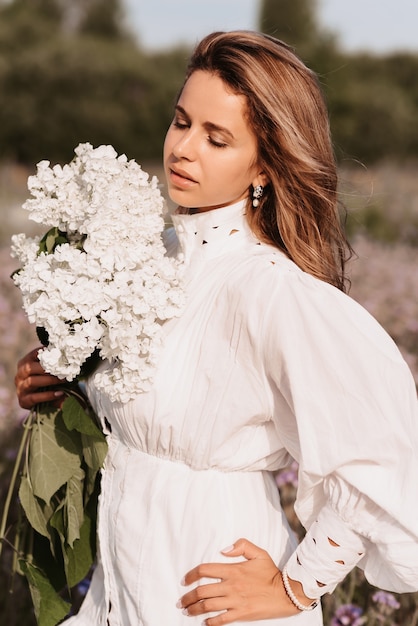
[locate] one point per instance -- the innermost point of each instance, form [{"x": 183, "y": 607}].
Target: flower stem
[{"x": 27, "y": 425}]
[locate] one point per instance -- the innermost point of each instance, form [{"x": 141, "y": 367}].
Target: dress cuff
[{"x": 326, "y": 555}]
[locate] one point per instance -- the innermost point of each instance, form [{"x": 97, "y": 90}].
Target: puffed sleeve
[{"x": 345, "y": 406}]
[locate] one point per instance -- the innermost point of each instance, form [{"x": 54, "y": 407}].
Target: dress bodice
[{"x": 209, "y": 405}]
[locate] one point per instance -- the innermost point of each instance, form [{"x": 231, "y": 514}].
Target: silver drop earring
[{"x": 257, "y": 194}]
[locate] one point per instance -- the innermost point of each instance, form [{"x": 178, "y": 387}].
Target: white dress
[{"x": 264, "y": 361}]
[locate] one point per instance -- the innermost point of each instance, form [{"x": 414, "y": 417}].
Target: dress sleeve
[
  {"x": 328, "y": 552},
  {"x": 345, "y": 407}
]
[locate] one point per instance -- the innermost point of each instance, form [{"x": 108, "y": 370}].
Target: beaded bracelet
[{"x": 292, "y": 597}]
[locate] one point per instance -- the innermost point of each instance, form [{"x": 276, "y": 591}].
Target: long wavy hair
[{"x": 298, "y": 212}]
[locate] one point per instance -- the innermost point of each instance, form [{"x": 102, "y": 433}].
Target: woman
[{"x": 269, "y": 360}]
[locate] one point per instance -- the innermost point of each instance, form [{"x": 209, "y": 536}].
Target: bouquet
[
  {"x": 99, "y": 286},
  {"x": 99, "y": 279}
]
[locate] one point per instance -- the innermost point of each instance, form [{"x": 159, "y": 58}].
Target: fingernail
[
  {"x": 183, "y": 581},
  {"x": 228, "y": 549},
  {"x": 185, "y": 612},
  {"x": 179, "y": 604},
  {"x": 58, "y": 394}
]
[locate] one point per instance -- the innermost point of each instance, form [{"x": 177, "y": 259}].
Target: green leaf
[
  {"x": 50, "y": 562},
  {"x": 54, "y": 454},
  {"x": 49, "y": 607},
  {"x": 80, "y": 557},
  {"x": 74, "y": 506},
  {"x": 77, "y": 418},
  {"x": 59, "y": 495},
  {"x": 50, "y": 241},
  {"x": 57, "y": 520},
  {"x": 94, "y": 451},
  {"x": 89, "y": 483},
  {"x": 38, "y": 518},
  {"x": 53, "y": 238}
]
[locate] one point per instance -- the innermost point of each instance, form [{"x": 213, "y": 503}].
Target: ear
[{"x": 261, "y": 179}]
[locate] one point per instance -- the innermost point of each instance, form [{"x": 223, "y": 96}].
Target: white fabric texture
[
  {"x": 265, "y": 362},
  {"x": 329, "y": 550}
]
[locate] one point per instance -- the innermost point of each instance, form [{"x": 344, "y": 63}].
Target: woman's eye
[
  {"x": 180, "y": 124},
  {"x": 216, "y": 143}
]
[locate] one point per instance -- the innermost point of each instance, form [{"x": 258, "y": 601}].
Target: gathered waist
[{"x": 121, "y": 452}]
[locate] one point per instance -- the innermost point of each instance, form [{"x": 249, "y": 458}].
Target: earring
[{"x": 257, "y": 194}]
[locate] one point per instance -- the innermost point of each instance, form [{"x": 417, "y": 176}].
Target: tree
[
  {"x": 101, "y": 18},
  {"x": 372, "y": 109},
  {"x": 293, "y": 21},
  {"x": 80, "y": 81},
  {"x": 24, "y": 24},
  {"x": 42, "y": 19},
  {"x": 373, "y": 100}
]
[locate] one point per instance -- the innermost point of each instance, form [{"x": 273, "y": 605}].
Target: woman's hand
[
  {"x": 250, "y": 590},
  {"x": 31, "y": 380}
]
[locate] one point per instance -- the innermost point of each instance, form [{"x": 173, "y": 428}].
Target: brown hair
[{"x": 299, "y": 209}]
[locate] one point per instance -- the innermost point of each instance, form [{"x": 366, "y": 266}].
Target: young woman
[{"x": 269, "y": 360}]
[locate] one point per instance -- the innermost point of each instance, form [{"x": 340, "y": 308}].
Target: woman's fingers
[
  {"x": 200, "y": 594},
  {"x": 203, "y": 599},
  {"x": 33, "y": 384},
  {"x": 242, "y": 547},
  {"x": 248, "y": 590},
  {"x": 29, "y": 400}
]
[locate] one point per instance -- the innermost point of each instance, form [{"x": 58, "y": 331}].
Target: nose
[{"x": 185, "y": 146}]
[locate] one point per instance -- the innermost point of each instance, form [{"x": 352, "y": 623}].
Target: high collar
[{"x": 205, "y": 235}]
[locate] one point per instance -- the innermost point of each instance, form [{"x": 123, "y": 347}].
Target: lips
[{"x": 181, "y": 177}]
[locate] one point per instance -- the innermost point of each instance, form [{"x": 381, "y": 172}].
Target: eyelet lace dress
[{"x": 265, "y": 364}]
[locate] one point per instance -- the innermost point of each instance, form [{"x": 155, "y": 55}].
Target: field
[{"x": 382, "y": 203}]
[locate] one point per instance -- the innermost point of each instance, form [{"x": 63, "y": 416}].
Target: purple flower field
[{"x": 385, "y": 281}]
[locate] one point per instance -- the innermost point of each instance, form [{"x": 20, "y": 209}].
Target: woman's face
[{"x": 210, "y": 153}]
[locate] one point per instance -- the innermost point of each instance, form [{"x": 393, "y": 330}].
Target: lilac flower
[
  {"x": 386, "y": 599},
  {"x": 383, "y": 280},
  {"x": 288, "y": 476},
  {"x": 348, "y": 615}
]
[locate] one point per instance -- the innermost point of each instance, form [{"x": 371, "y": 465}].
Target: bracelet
[{"x": 292, "y": 597}]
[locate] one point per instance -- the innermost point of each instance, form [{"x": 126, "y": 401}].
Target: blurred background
[{"x": 107, "y": 71}]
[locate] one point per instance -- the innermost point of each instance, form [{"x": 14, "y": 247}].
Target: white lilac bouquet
[
  {"x": 100, "y": 278},
  {"x": 98, "y": 285}
]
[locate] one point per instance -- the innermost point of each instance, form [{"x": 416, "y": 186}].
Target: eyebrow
[{"x": 207, "y": 125}]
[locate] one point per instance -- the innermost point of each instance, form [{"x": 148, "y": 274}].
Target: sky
[{"x": 377, "y": 26}]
